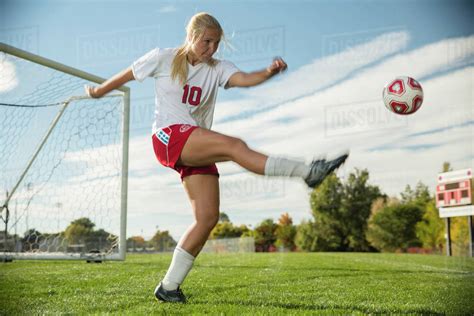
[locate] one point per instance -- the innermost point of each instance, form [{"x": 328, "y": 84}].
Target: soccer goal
[{"x": 63, "y": 162}]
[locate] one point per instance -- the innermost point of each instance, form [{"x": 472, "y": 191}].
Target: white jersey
[{"x": 174, "y": 104}]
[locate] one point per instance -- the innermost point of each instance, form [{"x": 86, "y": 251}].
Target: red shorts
[{"x": 168, "y": 143}]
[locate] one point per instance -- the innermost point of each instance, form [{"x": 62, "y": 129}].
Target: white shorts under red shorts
[{"x": 168, "y": 143}]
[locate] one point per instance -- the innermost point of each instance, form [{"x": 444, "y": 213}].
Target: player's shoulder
[
  {"x": 162, "y": 52},
  {"x": 163, "y": 55},
  {"x": 169, "y": 51},
  {"x": 223, "y": 63}
]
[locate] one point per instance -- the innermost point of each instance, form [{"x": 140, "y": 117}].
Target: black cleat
[
  {"x": 320, "y": 169},
  {"x": 175, "y": 296}
]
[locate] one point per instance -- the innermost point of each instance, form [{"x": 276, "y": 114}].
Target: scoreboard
[{"x": 454, "y": 193}]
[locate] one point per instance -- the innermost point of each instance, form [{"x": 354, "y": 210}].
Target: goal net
[{"x": 63, "y": 162}]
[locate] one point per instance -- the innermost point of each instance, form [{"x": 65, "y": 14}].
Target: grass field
[{"x": 235, "y": 284}]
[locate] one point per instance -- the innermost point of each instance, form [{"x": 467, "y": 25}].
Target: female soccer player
[{"x": 186, "y": 83}]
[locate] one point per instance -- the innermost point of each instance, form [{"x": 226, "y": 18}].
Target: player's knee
[
  {"x": 209, "y": 221},
  {"x": 213, "y": 222},
  {"x": 237, "y": 146}
]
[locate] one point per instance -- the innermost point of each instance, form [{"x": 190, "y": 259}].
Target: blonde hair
[{"x": 194, "y": 31}]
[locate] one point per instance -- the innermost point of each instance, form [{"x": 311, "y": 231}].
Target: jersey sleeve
[
  {"x": 147, "y": 65},
  {"x": 226, "y": 69}
]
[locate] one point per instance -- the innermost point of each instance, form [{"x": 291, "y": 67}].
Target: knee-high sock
[
  {"x": 277, "y": 166},
  {"x": 181, "y": 264}
]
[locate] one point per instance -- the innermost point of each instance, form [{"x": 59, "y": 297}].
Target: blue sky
[
  {"x": 59, "y": 27},
  {"x": 330, "y": 47}
]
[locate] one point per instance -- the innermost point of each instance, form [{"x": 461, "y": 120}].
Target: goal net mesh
[{"x": 68, "y": 203}]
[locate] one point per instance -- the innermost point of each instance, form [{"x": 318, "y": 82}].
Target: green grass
[{"x": 236, "y": 284}]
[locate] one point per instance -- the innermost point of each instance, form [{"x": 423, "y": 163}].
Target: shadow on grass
[
  {"x": 366, "y": 271},
  {"x": 315, "y": 306}
]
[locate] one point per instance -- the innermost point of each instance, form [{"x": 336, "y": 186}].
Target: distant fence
[{"x": 230, "y": 245}]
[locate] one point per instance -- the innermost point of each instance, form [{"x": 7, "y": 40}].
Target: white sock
[
  {"x": 277, "y": 166},
  {"x": 181, "y": 264}
]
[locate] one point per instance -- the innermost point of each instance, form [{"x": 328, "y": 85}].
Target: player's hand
[
  {"x": 278, "y": 66},
  {"x": 91, "y": 91}
]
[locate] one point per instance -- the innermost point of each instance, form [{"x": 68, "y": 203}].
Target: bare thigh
[{"x": 205, "y": 147}]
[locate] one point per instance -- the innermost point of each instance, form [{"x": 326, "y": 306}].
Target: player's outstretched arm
[
  {"x": 113, "y": 83},
  {"x": 242, "y": 79}
]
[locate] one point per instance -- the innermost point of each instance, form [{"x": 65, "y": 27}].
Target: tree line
[
  {"x": 82, "y": 236},
  {"x": 79, "y": 236},
  {"x": 350, "y": 215},
  {"x": 161, "y": 241},
  {"x": 354, "y": 215}
]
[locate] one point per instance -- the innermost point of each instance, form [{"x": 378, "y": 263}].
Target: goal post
[{"x": 63, "y": 162}]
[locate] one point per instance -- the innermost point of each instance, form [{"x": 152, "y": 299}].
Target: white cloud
[
  {"x": 8, "y": 79},
  {"x": 326, "y": 71}
]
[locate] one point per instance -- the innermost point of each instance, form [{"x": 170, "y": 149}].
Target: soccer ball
[{"x": 403, "y": 95}]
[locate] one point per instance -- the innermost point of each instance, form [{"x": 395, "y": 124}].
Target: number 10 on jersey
[{"x": 191, "y": 95}]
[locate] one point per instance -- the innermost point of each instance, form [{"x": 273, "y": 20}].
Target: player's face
[{"x": 207, "y": 45}]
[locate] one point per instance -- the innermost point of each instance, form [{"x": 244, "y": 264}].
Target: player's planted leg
[
  {"x": 174, "y": 296},
  {"x": 203, "y": 192}
]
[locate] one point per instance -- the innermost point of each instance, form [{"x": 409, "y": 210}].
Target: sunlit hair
[{"x": 194, "y": 31}]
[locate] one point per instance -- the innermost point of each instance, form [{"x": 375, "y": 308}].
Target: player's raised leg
[
  {"x": 203, "y": 193},
  {"x": 205, "y": 147}
]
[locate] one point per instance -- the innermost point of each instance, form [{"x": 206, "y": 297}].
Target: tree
[
  {"x": 326, "y": 204},
  {"x": 162, "y": 241},
  {"x": 393, "y": 227},
  {"x": 306, "y": 238},
  {"x": 446, "y": 167},
  {"x": 420, "y": 196},
  {"x": 265, "y": 235},
  {"x": 227, "y": 230},
  {"x": 79, "y": 231},
  {"x": 85, "y": 222},
  {"x": 135, "y": 242},
  {"x": 249, "y": 233},
  {"x": 285, "y": 219},
  {"x": 285, "y": 232},
  {"x": 430, "y": 230},
  {"x": 460, "y": 236},
  {"x": 101, "y": 240},
  {"x": 356, "y": 203},
  {"x": 31, "y": 239},
  {"x": 11, "y": 243},
  {"x": 82, "y": 237},
  {"x": 223, "y": 217},
  {"x": 341, "y": 211}
]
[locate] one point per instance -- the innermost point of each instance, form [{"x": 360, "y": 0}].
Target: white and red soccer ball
[{"x": 403, "y": 95}]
